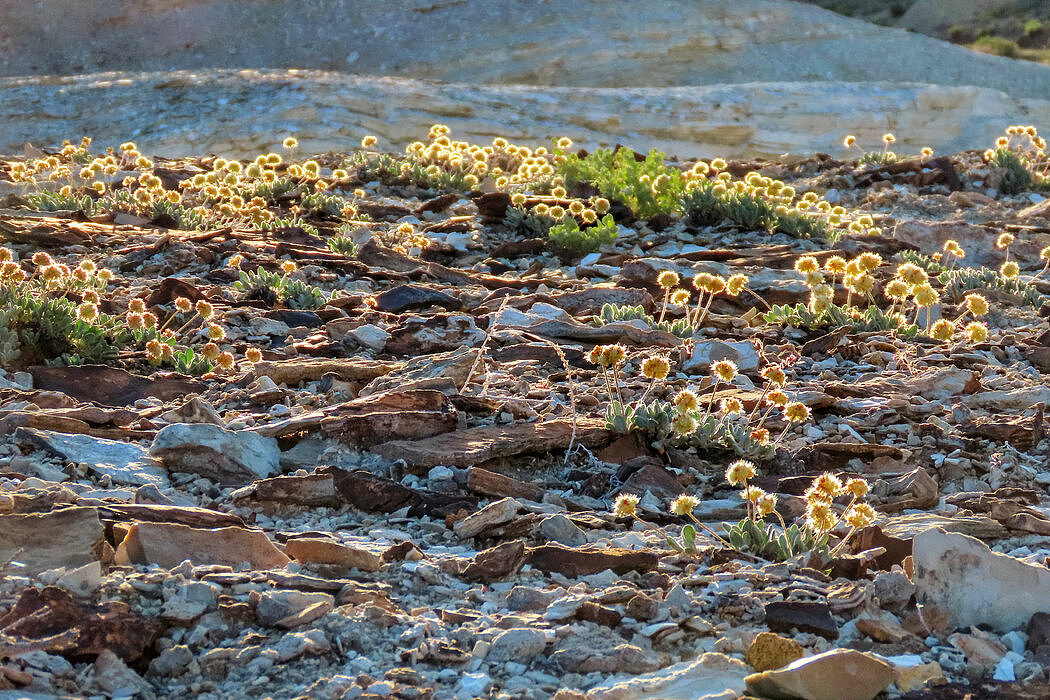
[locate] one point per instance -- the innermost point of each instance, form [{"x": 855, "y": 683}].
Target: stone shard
[
  {"x": 838, "y": 674},
  {"x": 66, "y": 538},
  {"x": 124, "y": 462},
  {"x": 975, "y": 585},
  {"x": 226, "y": 456},
  {"x": 168, "y": 545}
]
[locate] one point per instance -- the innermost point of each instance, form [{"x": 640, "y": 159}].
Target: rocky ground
[{"x": 401, "y": 484}]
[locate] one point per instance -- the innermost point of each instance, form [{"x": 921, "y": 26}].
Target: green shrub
[
  {"x": 647, "y": 187},
  {"x": 997, "y": 46},
  {"x": 567, "y": 235}
]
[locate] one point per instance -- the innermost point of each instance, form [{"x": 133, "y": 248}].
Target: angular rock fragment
[
  {"x": 168, "y": 545},
  {"x": 226, "y": 456},
  {"x": 324, "y": 551},
  {"x": 783, "y": 616},
  {"x": 66, "y": 538},
  {"x": 709, "y": 676},
  {"x": 571, "y": 561},
  {"x": 838, "y": 674},
  {"x": 975, "y": 585},
  {"x": 124, "y": 462}
]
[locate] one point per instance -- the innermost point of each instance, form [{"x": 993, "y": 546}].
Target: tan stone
[
  {"x": 324, "y": 551},
  {"x": 67, "y": 538},
  {"x": 770, "y": 651},
  {"x": 168, "y": 545},
  {"x": 839, "y": 674}
]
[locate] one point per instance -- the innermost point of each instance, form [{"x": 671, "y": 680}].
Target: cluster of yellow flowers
[
  {"x": 856, "y": 278},
  {"x": 584, "y": 213},
  {"x": 1025, "y": 141},
  {"x": 507, "y": 164},
  {"x": 703, "y": 283},
  {"x": 402, "y": 238}
]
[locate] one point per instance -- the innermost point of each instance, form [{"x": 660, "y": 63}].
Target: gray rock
[
  {"x": 295, "y": 644},
  {"x": 194, "y": 410},
  {"x": 707, "y": 352},
  {"x": 190, "y": 602},
  {"x": 277, "y": 606},
  {"x": 712, "y": 676},
  {"x": 171, "y": 661},
  {"x": 226, "y": 456},
  {"x": 517, "y": 644},
  {"x": 974, "y": 585},
  {"x": 558, "y": 528},
  {"x": 124, "y": 462},
  {"x": 370, "y": 336}
]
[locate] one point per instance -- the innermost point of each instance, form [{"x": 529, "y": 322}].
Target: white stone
[
  {"x": 974, "y": 585},
  {"x": 711, "y": 677},
  {"x": 370, "y": 336}
]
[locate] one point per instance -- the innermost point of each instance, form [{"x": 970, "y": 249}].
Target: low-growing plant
[
  {"x": 273, "y": 287},
  {"x": 684, "y": 421},
  {"x": 873, "y": 157},
  {"x": 567, "y": 235},
  {"x": 1021, "y": 154},
  {"x": 648, "y": 187}
]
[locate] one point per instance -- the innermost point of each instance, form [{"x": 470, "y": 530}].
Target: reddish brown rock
[{"x": 571, "y": 561}]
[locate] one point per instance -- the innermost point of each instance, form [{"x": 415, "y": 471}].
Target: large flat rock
[
  {"x": 582, "y": 43},
  {"x": 243, "y": 113}
]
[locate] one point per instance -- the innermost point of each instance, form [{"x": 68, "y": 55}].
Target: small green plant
[
  {"x": 1032, "y": 27},
  {"x": 567, "y": 235},
  {"x": 272, "y": 287},
  {"x": 997, "y": 46},
  {"x": 684, "y": 421},
  {"x": 613, "y": 313},
  {"x": 648, "y": 187},
  {"x": 54, "y": 201},
  {"x": 1021, "y": 154},
  {"x": 343, "y": 245},
  {"x": 959, "y": 281}
]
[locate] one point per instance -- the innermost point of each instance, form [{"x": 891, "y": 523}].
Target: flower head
[
  {"x": 760, "y": 436},
  {"x": 686, "y": 401},
  {"x": 369, "y": 141},
  {"x": 680, "y": 297},
  {"x": 819, "y": 516},
  {"x": 828, "y": 484},
  {"x": 858, "y": 488},
  {"x": 684, "y": 504},
  {"x": 1004, "y": 240},
  {"x": 1010, "y": 270},
  {"x": 943, "y": 330},
  {"x": 211, "y": 351},
  {"x": 183, "y": 305},
  {"x": 774, "y": 375},
  {"x": 739, "y": 472},
  {"x": 976, "y": 332},
  {"x": 925, "y": 295},
  {"x": 731, "y": 406},
  {"x": 835, "y": 265},
  {"x": 684, "y": 424},
  {"x": 724, "y": 370},
  {"x": 253, "y": 355},
  {"x": 216, "y": 332},
  {"x": 796, "y": 412},
  {"x": 668, "y": 279},
  {"x": 896, "y": 289},
  {"x": 655, "y": 367},
  {"x": 736, "y": 284},
  {"x": 288, "y": 267},
  {"x": 766, "y": 504},
  {"x": 625, "y": 505},
  {"x": 87, "y": 312},
  {"x": 204, "y": 309},
  {"x": 860, "y": 515},
  {"x": 806, "y": 264},
  {"x": 869, "y": 261}
]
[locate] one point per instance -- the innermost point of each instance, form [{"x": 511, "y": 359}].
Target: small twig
[{"x": 484, "y": 344}]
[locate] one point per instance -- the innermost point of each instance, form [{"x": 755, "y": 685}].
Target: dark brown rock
[
  {"x": 571, "y": 561},
  {"x": 815, "y": 617}
]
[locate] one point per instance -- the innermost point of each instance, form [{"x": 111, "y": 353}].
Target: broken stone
[
  {"x": 62, "y": 539},
  {"x": 783, "y": 616},
  {"x": 324, "y": 551},
  {"x": 124, "y": 462},
  {"x": 168, "y": 545},
  {"x": 290, "y": 609},
  {"x": 519, "y": 644},
  {"x": 495, "y": 513},
  {"x": 975, "y": 585},
  {"x": 706, "y": 353},
  {"x": 710, "y": 676},
  {"x": 226, "y": 456},
  {"x": 770, "y": 651},
  {"x": 571, "y": 561},
  {"x": 838, "y": 674}
]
